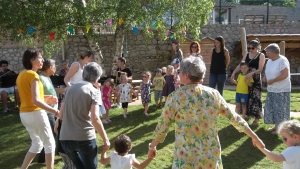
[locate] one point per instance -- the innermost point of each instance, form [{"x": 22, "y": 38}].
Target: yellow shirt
[
  {"x": 242, "y": 86},
  {"x": 24, "y": 82},
  {"x": 159, "y": 82}
]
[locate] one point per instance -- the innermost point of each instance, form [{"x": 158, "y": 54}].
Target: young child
[
  {"x": 164, "y": 71},
  {"x": 290, "y": 132},
  {"x": 242, "y": 90},
  {"x": 120, "y": 157},
  {"x": 158, "y": 82},
  {"x": 169, "y": 78},
  {"x": 123, "y": 91},
  {"x": 107, "y": 89},
  {"x": 145, "y": 91},
  {"x": 175, "y": 64}
]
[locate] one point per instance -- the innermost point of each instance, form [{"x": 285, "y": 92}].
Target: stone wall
[
  {"x": 240, "y": 10},
  {"x": 150, "y": 54}
]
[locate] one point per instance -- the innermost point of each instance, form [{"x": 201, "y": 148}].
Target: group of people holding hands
[{"x": 193, "y": 107}]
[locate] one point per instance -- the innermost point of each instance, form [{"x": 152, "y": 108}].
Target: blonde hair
[
  {"x": 164, "y": 69},
  {"x": 111, "y": 82},
  {"x": 122, "y": 77},
  {"x": 147, "y": 73},
  {"x": 291, "y": 127},
  {"x": 170, "y": 67}
]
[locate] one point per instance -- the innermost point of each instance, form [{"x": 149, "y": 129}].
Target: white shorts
[
  {"x": 38, "y": 126},
  {"x": 8, "y": 90}
]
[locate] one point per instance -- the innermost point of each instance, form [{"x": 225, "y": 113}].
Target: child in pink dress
[{"x": 106, "y": 95}]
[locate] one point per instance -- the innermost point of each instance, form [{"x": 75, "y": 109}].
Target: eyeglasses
[
  {"x": 250, "y": 48},
  {"x": 194, "y": 47},
  {"x": 284, "y": 139}
]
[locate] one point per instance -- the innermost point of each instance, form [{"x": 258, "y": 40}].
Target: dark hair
[
  {"x": 222, "y": 41},
  {"x": 29, "y": 54},
  {"x": 122, "y": 144},
  {"x": 3, "y": 62},
  {"x": 64, "y": 61},
  {"x": 198, "y": 49},
  {"x": 47, "y": 64},
  {"x": 244, "y": 63},
  {"x": 255, "y": 43},
  {"x": 122, "y": 59},
  {"x": 84, "y": 54}
]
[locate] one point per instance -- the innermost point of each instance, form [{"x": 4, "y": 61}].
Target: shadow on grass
[{"x": 246, "y": 155}]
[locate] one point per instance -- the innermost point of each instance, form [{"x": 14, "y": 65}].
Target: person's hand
[
  {"x": 269, "y": 82},
  {"x": 55, "y": 129},
  {"x": 106, "y": 143},
  {"x": 51, "y": 100},
  {"x": 105, "y": 148},
  {"x": 250, "y": 75},
  {"x": 264, "y": 79},
  {"x": 232, "y": 77},
  {"x": 151, "y": 154},
  {"x": 257, "y": 142}
]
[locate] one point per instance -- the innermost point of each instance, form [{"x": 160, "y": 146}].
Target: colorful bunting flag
[
  {"x": 109, "y": 22},
  {"x": 167, "y": 33},
  {"x": 52, "y": 35},
  {"x": 135, "y": 30},
  {"x": 172, "y": 36},
  {"x": 120, "y": 21},
  {"x": 20, "y": 31},
  {"x": 159, "y": 24},
  {"x": 149, "y": 29},
  {"x": 183, "y": 31},
  {"x": 88, "y": 27},
  {"x": 30, "y": 30},
  {"x": 71, "y": 30}
]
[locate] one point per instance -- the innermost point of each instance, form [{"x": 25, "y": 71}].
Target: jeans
[
  {"x": 219, "y": 80},
  {"x": 84, "y": 154}
]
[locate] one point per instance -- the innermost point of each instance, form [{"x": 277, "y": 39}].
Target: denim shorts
[
  {"x": 241, "y": 98},
  {"x": 157, "y": 94}
]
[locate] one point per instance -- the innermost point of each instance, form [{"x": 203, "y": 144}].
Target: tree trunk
[{"x": 118, "y": 47}]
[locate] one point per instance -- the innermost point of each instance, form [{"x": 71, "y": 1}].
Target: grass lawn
[{"x": 237, "y": 149}]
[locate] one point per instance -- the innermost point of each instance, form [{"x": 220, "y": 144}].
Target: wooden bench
[
  {"x": 277, "y": 19},
  {"x": 254, "y": 19}
]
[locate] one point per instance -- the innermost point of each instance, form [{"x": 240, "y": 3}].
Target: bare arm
[
  {"x": 35, "y": 93},
  {"x": 210, "y": 56},
  {"x": 261, "y": 65},
  {"x": 142, "y": 165},
  {"x": 237, "y": 68},
  {"x": 255, "y": 140},
  {"x": 104, "y": 158},
  {"x": 227, "y": 58},
  {"x": 274, "y": 157},
  {"x": 96, "y": 122},
  {"x": 283, "y": 75},
  {"x": 73, "y": 69},
  {"x": 61, "y": 110}
]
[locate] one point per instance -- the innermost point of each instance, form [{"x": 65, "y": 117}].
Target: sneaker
[
  {"x": 6, "y": 111},
  {"x": 119, "y": 105},
  {"x": 17, "y": 109}
]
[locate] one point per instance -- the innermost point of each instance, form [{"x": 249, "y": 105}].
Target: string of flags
[{"x": 71, "y": 29}]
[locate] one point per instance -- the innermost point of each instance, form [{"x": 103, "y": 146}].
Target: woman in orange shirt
[{"x": 33, "y": 106}]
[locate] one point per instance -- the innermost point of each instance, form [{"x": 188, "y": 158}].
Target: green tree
[{"x": 59, "y": 15}]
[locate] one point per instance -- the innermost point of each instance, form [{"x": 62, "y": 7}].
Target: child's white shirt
[
  {"x": 292, "y": 157},
  {"x": 121, "y": 162},
  {"x": 125, "y": 92}
]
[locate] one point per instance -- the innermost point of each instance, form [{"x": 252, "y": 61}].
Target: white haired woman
[
  {"x": 277, "y": 76},
  {"x": 83, "y": 119},
  {"x": 194, "y": 109}
]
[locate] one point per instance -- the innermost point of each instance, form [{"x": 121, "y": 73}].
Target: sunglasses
[
  {"x": 284, "y": 139},
  {"x": 250, "y": 48},
  {"x": 194, "y": 47}
]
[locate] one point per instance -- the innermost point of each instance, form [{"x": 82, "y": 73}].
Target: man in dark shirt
[
  {"x": 122, "y": 69},
  {"x": 5, "y": 89}
]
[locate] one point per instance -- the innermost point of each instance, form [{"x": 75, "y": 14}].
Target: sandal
[
  {"x": 254, "y": 123},
  {"x": 108, "y": 120},
  {"x": 105, "y": 122}
]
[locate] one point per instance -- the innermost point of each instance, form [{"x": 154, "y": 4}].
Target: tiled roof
[{"x": 224, "y": 4}]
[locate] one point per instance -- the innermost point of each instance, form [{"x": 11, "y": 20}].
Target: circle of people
[{"x": 193, "y": 107}]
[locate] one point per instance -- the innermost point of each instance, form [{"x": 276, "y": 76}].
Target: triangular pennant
[
  {"x": 30, "y": 30},
  {"x": 135, "y": 30},
  {"x": 52, "y": 35},
  {"x": 109, "y": 22},
  {"x": 71, "y": 30},
  {"x": 88, "y": 27},
  {"x": 149, "y": 29},
  {"x": 120, "y": 21},
  {"x": 159, "y": 24},
  {"x": 183, "y": 31},
  {"x": 20, "y": 31}
]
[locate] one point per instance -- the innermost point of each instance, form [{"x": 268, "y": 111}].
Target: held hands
[
  {"x": 250, "y": 75},
  {"x": 257, "y": 142},
  {"x": 151, "y": 152}
]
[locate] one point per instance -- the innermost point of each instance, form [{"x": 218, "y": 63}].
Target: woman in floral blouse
[{"x": 194, "y": 109}]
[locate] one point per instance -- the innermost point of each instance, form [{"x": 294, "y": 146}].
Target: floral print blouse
[{"x": 194, "y": 109}]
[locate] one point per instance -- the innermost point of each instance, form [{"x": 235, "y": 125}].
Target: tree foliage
[{"x": 58, "y": 15}]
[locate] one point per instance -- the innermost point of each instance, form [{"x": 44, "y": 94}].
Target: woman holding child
[
  {"x": 194, "y": 109},
  {"x": 256, "y": 62}
]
